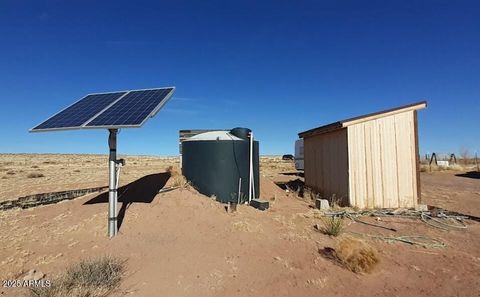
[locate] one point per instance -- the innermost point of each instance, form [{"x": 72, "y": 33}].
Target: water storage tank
[{"x": 215, "y": 161}]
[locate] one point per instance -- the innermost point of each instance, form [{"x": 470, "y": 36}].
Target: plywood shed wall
[
  {"x": 326, "y": 164},
  {"x": 369, "y": 161}
]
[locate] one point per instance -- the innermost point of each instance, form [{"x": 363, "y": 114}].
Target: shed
[{"x": 370, "y": 161}]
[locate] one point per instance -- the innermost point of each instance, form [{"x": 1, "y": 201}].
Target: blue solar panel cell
[
  {"x": 80, "y": 112},
  {"x": 133, "y": 109}
]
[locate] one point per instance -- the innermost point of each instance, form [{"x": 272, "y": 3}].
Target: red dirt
[{"x": 184, "y": 244}]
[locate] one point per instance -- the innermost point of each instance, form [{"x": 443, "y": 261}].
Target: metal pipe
[
  {"x": 252, "y": 170},
  {"x": 250, "y": 179},
  {"x": 239, "y": 189},
  {"x": 112, "y": 183}
]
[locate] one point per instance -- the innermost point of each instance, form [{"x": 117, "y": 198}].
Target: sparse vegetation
[
  {"x": 35, "y": 175},
  {"x": 453, "y": 167},
  {"x": 464, "y": 155},
  {"x": 332, "y": 225},
  {"x": 310, "y": 194},
  {"x": 177, "y": 177},
  {"x": 335, "y": 202},
  {"x": 356, "y": 255},
  {"x": 60, "y": 171},
  {"x": 11, "y": 172},
  {"x": 92, "y": 278},
  {"x": 272, "y": 165}
]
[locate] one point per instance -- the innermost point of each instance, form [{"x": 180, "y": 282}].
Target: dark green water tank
[{"x": 215, "y": 161}]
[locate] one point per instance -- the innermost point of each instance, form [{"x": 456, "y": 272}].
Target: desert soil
[{"x": 181, "y": 243}]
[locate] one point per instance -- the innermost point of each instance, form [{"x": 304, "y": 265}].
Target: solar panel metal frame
[{"x": 83, "y": 126}]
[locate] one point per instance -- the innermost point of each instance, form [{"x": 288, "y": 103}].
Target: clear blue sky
[{"x": 278, "y": 68}]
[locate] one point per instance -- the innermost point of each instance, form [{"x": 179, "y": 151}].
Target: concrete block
[{"x": 322, "y": 204}]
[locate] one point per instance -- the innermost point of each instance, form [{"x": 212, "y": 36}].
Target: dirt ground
[
  {"x": 181, "y": 243},
  {"x": 68, "y": 172}
]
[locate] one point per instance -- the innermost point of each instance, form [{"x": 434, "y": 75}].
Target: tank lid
[
  {"x": 242, "y": 133},
  {"x": 214, "y": 135}
]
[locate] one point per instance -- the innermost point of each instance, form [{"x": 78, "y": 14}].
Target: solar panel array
[
  {"x": 133, "y": 109},
  {"x": 109, "y": 110},
  {"x": 81, "y": 111}
]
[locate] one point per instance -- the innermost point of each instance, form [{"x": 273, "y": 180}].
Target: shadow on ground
[
  {"x": 439, "y": 211},
  {"x": 296, "y": 185},
  {"x": 470, "y": 174},
  {"x": 143, "y": 190},
  {"x": 298, "y": 173}
]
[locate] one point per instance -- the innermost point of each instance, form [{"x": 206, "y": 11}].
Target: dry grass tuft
[
  {"x": 35, "y": 175},
  {"x": 332, "y": 225},
  {"x": 433, "y": 167},
  {"x": 356, "y": 255},
  {"x": 173, "y": 170},
  {"x": 336, "y": 202},
  {"x": 92, "y": 277},
  {"x": 177, "y": 177},
  {"x": 11, "y": 172}
]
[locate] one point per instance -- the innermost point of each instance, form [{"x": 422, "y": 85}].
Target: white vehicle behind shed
[{"x": 299, "y": 154}]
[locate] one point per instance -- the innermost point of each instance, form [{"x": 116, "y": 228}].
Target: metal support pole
[{"x": 112, "y": 183}]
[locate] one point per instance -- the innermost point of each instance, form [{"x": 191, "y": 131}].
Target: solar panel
[
  {"x": 133, "y": 109},
  {"x": 109, "y": 110},
  {"x": 79, "y": 112}
]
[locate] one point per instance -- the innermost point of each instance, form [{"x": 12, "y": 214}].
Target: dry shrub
[
  {"x": 177, "y": 177},
  {"x": 309, "y": 193},
  {"x": 336, "y": 202},
  {"x": 91, "y": 277},
  {"x": 35, "y": 175},
  {"x": 433, "y": 167},
  {"x": 11, "y": 172},
  {"x": 356, "y": 255},
  {"x": 464, "y": 155},
  {"x": 332, "y": 225}
]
